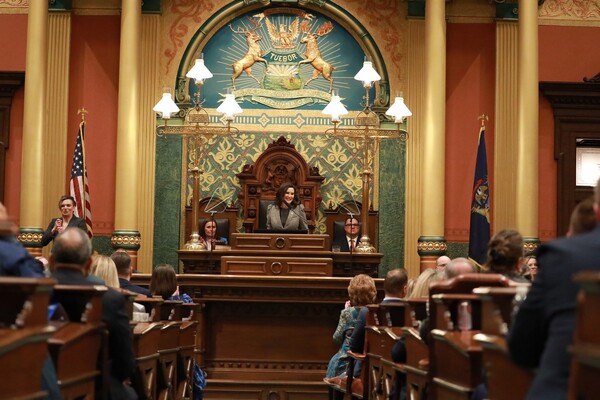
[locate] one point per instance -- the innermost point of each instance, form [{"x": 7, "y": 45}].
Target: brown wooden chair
[
  {"x": 24, "y": 331},
  {"x": 584, "y": 381},
  {"x": 278, "y": 164},
  {"x": 76, "y": 347},
  {"x": 497, "y": 307},
  {"x": 445, "y": 298},
  {"x": 187, "y": 345},
  {"x": 146, "y": 338}
]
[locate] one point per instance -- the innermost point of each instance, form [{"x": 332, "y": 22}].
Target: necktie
[{"x": 351, "y": 244}]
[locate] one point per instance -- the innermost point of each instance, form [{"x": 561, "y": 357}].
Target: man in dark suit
[
  {"x": 70, "y": 261},
  {"x": 351, "y": 239},
  {"x": 543, "y": 327},
  {"x": 123, "y": 262}
]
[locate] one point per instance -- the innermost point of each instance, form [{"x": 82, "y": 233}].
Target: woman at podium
[{"x": 287, "y": 213}]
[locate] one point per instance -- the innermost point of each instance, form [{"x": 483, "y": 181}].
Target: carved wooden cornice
[
  {"x": 584, "y": 94},
  {"x": 10, "y": 82}
]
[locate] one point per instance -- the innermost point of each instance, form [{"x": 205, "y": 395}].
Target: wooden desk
[
  {"x": 343, "y": 264},
  {"x": 265, "y": 336}
]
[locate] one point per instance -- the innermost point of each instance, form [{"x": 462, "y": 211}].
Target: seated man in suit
[
  {"x": 122, "y": 261},
  {"x": 70, "y": 262},
  {"x": 543, "y": 328},
  {"x": 349, "y": 242},
  {"x": 14, "y": 259}
]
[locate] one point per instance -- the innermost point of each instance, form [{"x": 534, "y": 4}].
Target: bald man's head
[
  {"x": 459, "y": 266},
  {"x": 72, "y": 246},
  {"x": 442, "y": 263}
]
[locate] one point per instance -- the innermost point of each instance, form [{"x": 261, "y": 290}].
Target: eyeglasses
[{"x": 352, "y": 225}]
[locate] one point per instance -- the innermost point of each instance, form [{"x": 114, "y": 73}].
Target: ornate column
[
  {"x": 150, "y": 91},
  {"x": 527, "y": 165},
  {"x": 126, "y": 234},
  {"x": 32, "y": 172},
  {"x": 506, "y": 125},
  {"x": 57, "y": 98},
  {"x": 432, "y": 243},
  {"x": 414, "y": 157}
]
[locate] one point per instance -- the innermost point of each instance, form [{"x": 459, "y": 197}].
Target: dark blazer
[
  {"x": 295, "y": 220},
  {"x": 543, "y": 328},
  {"x": 16, "y": 261},
  {"x": 75, "y": 222},
  {"x": 345, "y": 244},
  {"x": 114, "y": 315},
  {"x": 125, "y": 284}
]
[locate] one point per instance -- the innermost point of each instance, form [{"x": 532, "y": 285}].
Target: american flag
[{"x": 78, "y": 184}]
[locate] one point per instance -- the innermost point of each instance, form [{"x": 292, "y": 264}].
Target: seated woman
[
  {"x": 164, "y": 283},
  {"x": 105, "y": 268},
  {"x": 208, "y": 235},
  {"x": 362, "y": 291},
  {"x": 505, "y": 254},
  {"x": 287, "y": 213}
]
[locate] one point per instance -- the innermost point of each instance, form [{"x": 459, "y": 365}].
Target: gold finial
[
  {"x": 82, "y": 111},
  {"x": 483, "y": 118}
]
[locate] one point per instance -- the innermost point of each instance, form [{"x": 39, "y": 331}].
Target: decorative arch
[{"x": 241, "y": 8}]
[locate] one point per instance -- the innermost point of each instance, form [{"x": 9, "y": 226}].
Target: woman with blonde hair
[
  {"x": 362, "y": 291},
  {"x": 421, "y": 285},
  {"x": 105, "y": 268}
]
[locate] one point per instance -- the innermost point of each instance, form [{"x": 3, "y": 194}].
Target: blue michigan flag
[{"x": 479, "y": 233}]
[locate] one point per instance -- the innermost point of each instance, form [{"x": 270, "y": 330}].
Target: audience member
[
  {"x": 441, "y": 263},
  {"x": 362, "y": 291},
  {"x": 504, "y": 255},
  {"x": 70, "y": 262},
  {"x": 66, "y": 205},
  {"x": 287, "y": 213},
  {"x": 421, "y": 288},
  {"x": 104, "y": 267},
  {"x": 543, "y": 328},
  {"x": 394, "y": 287},
  {"x": 530, "y": 268},
  {"x": 122, "y": 261},
  {"x": 349, "y": 242},
  {"x": 14, "y": 259},
  {"x": 459, "y": 266},
  {"x": 163, "y": 283},
  {"x": 208, "y": 235},
  {"x": 583, "y": 217}
]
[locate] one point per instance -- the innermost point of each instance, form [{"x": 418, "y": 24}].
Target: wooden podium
[
  {"x": 265, "y": 337},
  {"x": 279, "y": 255}
]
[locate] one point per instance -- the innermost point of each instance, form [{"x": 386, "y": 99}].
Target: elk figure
[
  {"x": 253, "y": 55},
  {"x": 313, "y": 55}
]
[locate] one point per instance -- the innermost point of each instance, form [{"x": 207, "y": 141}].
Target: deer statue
[
  {"x": 313, "y": 55},
  {"x": 253, "y": 55}
]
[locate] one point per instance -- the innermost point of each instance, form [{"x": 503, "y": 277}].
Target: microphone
[
  {"x": 213, "y": 208},
  {"x": 354, "y": 201}
]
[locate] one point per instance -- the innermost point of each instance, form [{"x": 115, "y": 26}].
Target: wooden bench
[
  {"x": 190, "y": 314},
  {"x": 445, "y": 298},
  {"x": 77, "y": 346},
  {"x": 585, "y": 367},
  {"x": 497, "y": 307},
  {"x": 24, "y": 331}
]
